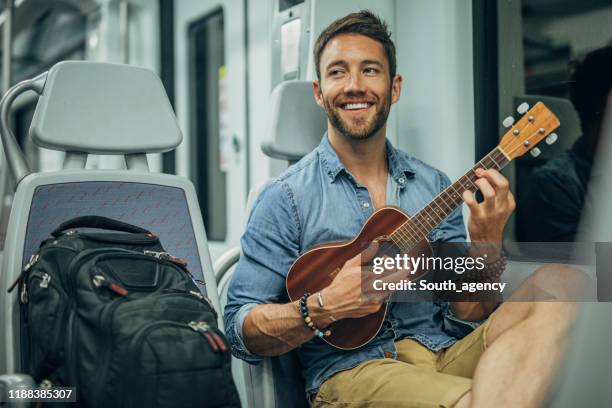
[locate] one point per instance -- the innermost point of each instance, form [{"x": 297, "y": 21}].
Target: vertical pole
[
  {"x": 124, "y": 44},
  {"x": 6, "y": 181},
  {"x": 7, "y": 46},
  {"x": 166, "y": 31},
  {"x": 124, "y": 33},
  {"x": 247, "y": 97}
]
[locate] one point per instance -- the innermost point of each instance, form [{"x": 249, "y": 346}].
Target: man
[
  {"x": 556, "y": 192},
  {"x": 427, "y": 353}
]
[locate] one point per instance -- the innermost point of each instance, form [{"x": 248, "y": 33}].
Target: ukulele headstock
[{"x": 536, "y": 124}]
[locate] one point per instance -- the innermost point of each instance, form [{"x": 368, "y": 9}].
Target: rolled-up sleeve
[
  {"x": 455, "y": 326},
  {"x": 269, "y": 247}
]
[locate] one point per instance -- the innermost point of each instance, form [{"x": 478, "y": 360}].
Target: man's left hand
[{"x": 488, "y": 218}]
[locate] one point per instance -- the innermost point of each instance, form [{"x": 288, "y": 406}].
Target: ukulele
[{"x": 316, "y": 268}]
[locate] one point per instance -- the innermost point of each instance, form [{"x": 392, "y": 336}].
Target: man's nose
[{"x": 354, "y": 84}]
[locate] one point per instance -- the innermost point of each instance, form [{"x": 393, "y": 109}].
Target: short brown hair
[{"x": 363, "y": 22}]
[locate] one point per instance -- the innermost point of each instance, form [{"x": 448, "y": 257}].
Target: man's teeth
[{"x": 356, "y": 105}]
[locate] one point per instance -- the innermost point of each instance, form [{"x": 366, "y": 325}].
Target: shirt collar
[{"x": 399, "y": 167}]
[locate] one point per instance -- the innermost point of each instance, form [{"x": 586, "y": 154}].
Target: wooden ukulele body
[{"x": 317, "y": 268}]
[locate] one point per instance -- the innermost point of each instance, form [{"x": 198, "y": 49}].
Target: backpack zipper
[
  {"x": 166, "y": 256},
  {"x": 29, "y": 265},
  {"x": 195, "y": 294},
  {"x": 99, "y": 281},
  {"x": 33, "y": 259},
  {"x": 46, "y": 278},
  {"x": 216, "y": 342}
]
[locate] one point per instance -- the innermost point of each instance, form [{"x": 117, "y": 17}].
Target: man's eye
[
  {"x": 335, "y": 72},
  {"x": 370, "y": 71}
]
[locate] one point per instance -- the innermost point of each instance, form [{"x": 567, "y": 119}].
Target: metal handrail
[
  {"x": 19, "y": 382},
  {"x": 225, "y": 262},
  {"x": 13, "y": 153}
]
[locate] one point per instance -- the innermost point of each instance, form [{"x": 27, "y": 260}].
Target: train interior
[{"x": 216, "y": 97}]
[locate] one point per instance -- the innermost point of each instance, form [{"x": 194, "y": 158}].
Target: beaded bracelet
[
  {"x": 491, "y": 272},
  {"x": 308, "y": 319},
  {"x": 494, "y": 270}
]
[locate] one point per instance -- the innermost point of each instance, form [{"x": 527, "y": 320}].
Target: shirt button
[
  {"x": 401, "y": 180},
  {"x": 366, "y": 205}
]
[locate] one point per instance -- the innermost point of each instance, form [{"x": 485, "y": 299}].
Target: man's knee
[
  {"x": 555, "y": 283},
  {"x": 553, "y": 293},
  {"x": 549, "y": 298}
]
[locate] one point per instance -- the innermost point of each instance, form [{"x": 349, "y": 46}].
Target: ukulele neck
[{"x": 421, "y": 224}]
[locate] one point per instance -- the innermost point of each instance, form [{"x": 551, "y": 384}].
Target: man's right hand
[{"x": 345, "y": 298}]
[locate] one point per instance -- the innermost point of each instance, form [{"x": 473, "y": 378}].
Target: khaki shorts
[{"x": 418, "y": 378}]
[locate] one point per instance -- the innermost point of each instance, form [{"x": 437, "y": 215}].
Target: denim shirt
[{"x": 317, "y": 200}]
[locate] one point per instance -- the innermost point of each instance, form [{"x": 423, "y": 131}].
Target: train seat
[
  {"x": 296, "y": 125},
  {"x": 95, "y": 108}
]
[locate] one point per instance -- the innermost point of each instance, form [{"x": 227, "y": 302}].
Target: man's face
[{"x": 355, "y": 89}]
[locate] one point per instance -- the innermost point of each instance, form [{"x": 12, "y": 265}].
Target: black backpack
[{"x": 114, "y": 315}]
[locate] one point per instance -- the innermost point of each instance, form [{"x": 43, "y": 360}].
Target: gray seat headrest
[
  {"x": 296, "y": 122},
  {"x": 103, "y": 108}
]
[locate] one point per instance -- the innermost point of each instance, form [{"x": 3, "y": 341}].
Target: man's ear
[
  {"x": 396, "y": 88},
  {"x": 316, "y": 90}
]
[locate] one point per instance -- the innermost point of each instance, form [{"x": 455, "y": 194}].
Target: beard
[{"x": 360, "y": 128}]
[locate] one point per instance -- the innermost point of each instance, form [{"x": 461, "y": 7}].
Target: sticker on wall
[{"x": 225, "y": 132}]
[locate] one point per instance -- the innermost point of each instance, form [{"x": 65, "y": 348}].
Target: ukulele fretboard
[{"x": 429, "y": 217}]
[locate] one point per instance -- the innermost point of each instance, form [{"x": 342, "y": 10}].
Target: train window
[
  {"x": 206, "y": 40},
  {"x": 285, "y": 4},
  {"x": 537, "y": 51},
  {"x": 560, "y": 40}
]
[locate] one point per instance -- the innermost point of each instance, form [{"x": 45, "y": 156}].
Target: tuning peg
[
  {"x": 552, "y": 138},
  {"x": 522, "y": 108},
  {"x": 509, "y": 121},
  {"x": 535, "y": 152}
]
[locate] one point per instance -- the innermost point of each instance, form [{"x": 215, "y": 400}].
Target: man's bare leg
[{"x": 525, "y": 343}]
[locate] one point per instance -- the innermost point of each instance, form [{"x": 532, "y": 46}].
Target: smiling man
[{"x": 428, "y": 353}]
